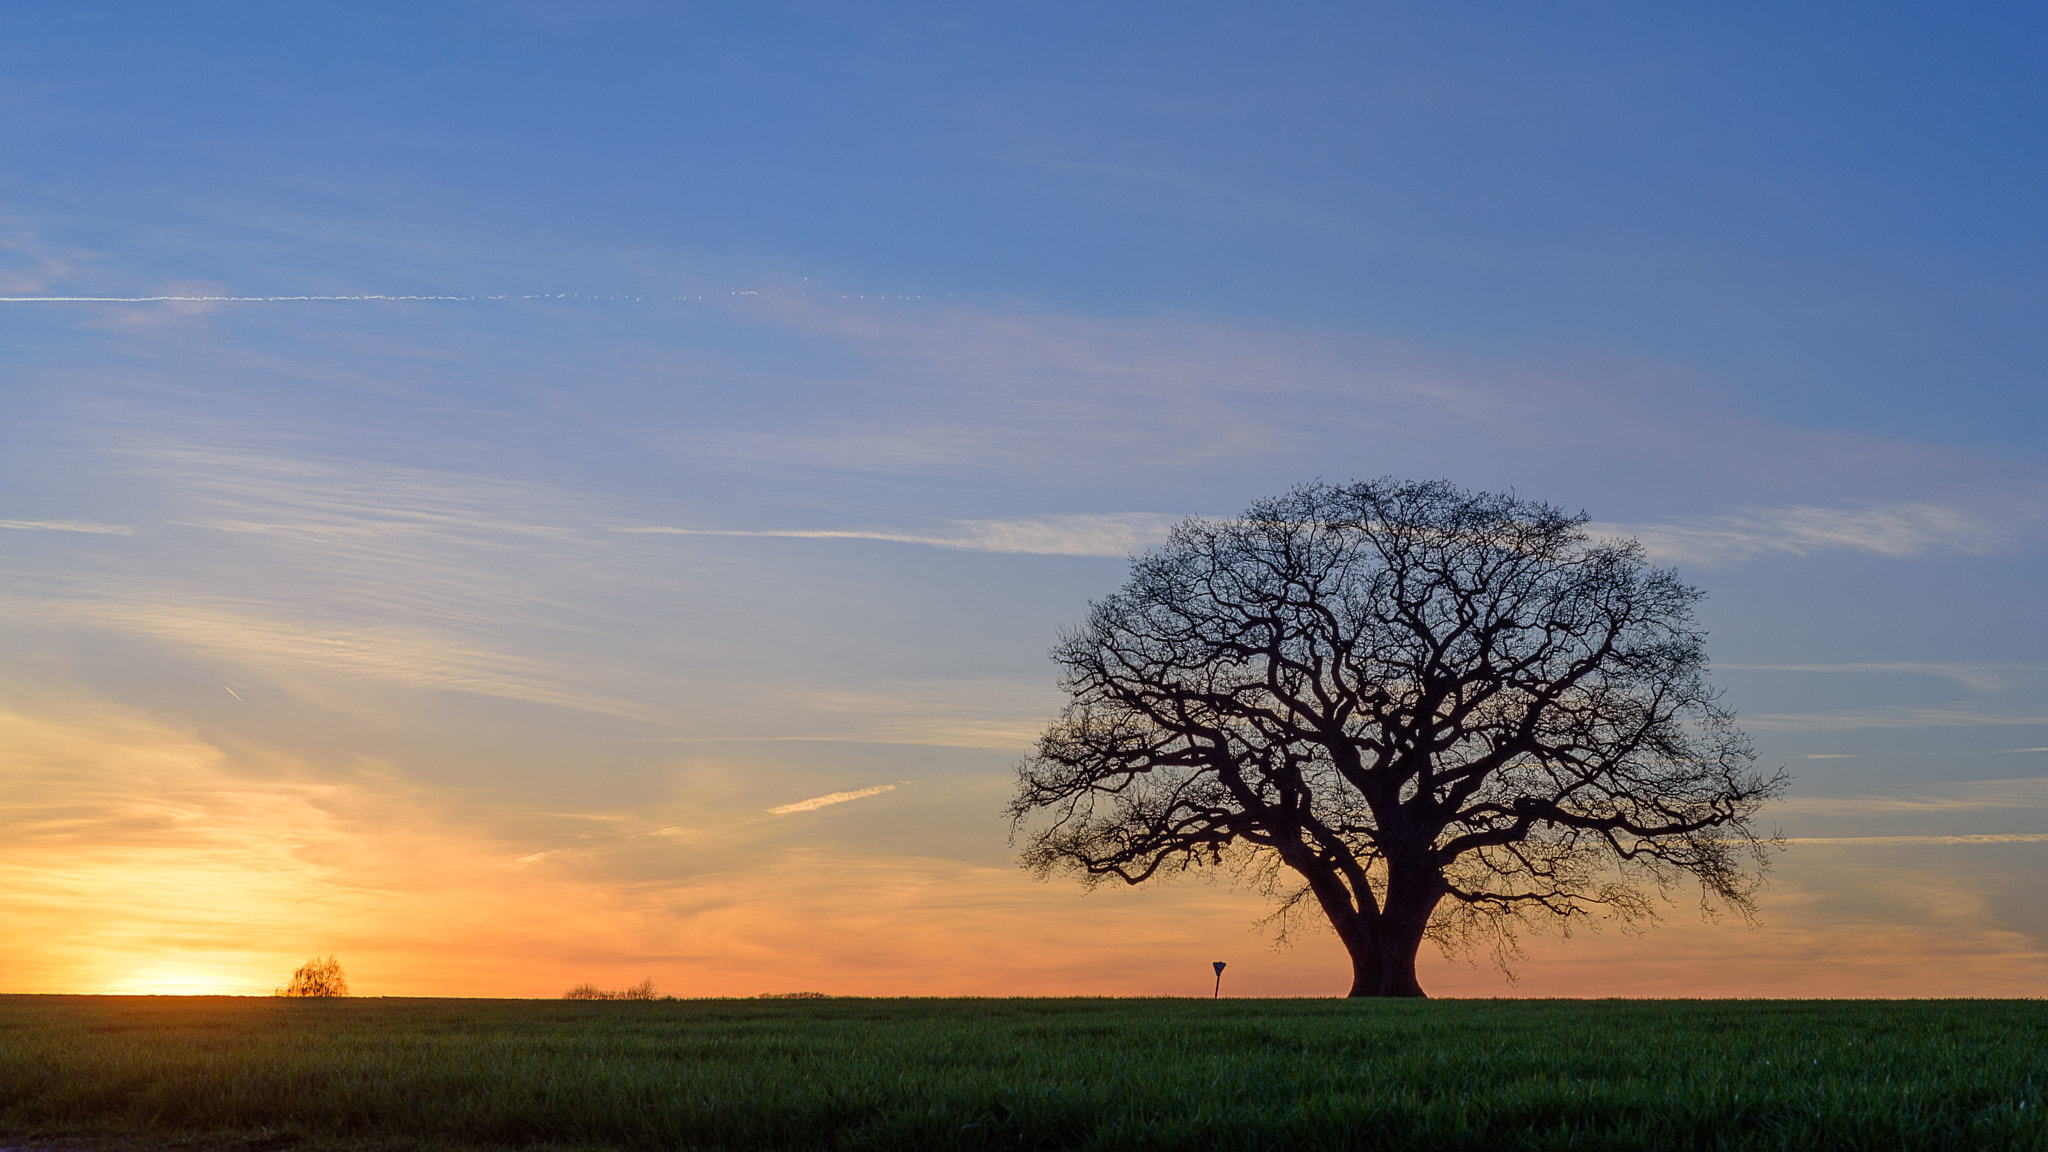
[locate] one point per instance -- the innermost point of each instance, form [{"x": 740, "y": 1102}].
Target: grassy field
[{"x": 263, "y": 1074}]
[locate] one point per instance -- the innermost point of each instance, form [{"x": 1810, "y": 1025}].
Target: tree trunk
[
  {"x": 1383, "y": 951},
  {"x": 1383, "y": 963},
  {"x": 1397, "y": 967},
  {"x": 1365, "y": 968},
  {"x": 1382, "y": 946}
]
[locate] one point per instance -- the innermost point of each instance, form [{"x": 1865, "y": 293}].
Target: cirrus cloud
[{"x": 1976, "y": 525}]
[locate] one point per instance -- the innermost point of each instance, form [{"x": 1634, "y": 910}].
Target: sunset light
[
  {"x": 173, "y": 980},
  {"x": 524, "y": 497}
]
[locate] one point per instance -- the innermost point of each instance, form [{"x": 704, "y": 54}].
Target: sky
[{"x": 543, "y": 493}]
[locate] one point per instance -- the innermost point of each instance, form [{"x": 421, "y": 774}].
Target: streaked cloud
[
  {"x": 1960, "y": 715},
  {"x": 1078, "y": 535},
  {"x": 68, "y": 526},
  {"x": 1078, "y": 402},
  {"x": 31, "y": 262},
  {"x": 338, "y": 581},
  {"x": 310, "y": 568},
  {"x": 1983, "y": 838},
  {"x": 1983, "y": 677},
  {"x": 1992, "y": 522},
  {"x": 2025, "y": 793},
  {"x": 406, "y": 657},
  {"x": 996, "y": 714},
  {"x": 223, "y": 299},
  {"x": 829, "y": 799},
  {"x": 332, "y": 499},
  {"x": 1946, "y": 752}
]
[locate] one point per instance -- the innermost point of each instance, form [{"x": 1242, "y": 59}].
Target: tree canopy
[
  {"x": 1427, "y": 712},
  {"x": 317, "y": 977}
]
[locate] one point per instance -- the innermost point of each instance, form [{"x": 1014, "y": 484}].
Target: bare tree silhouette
[
  {"x": 1432, "y": 713},
  {"x": 644, "y": 990},
  {"x": 317, "y": 977}
]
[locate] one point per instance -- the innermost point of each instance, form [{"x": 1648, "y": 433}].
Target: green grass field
[{"x": 261, "y": 1074}]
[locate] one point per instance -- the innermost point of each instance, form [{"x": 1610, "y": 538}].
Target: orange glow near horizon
[
  {"x": 169, "y": 979},
  {"x": 149, "y": 861}
]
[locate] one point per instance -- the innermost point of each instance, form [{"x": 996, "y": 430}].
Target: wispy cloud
[
  {"x": 213, "y": 299},
  {"x": 307, "y": 567},
  {"x": 397, "y": 655},
  {"x": 829, "y": 799},
  {"x": 994, "y": 714},
  {"x": 1983, "y": 677},
  {"x": 205, "y": 298},
  {"x": 1882, "y": 755},
  {"x": 1897, "y": 716},
  {"x": 1990, "y": 523},
  {"x": 329, "y": 579},
  {"x": 1084, "y": 402},
  {"x": 31, "y": 263},
  {"x": 68, "y": 526},
  {"x": 2028, "y": 793},
  {"x": 1989, "y": 838},
  {"x": 1079, "y": 535},
  {"x": 237, "y": 489}
]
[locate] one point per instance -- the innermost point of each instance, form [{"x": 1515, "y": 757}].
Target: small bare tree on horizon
[
  {"x": 644, "y": 990},
  {"x": 317, "y": 977},
  {"x": 1426, "y": 712}
]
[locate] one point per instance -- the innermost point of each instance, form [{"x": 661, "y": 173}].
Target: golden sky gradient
[
  {"x": 519, "y": 495},
  {"x": 142, "y": 858}
]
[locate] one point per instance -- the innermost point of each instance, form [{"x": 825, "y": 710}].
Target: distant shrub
[
  {"x": 792, "y": 996},
  {"x": 644, "y": 990},
  {"x": 317, "y": 977}
]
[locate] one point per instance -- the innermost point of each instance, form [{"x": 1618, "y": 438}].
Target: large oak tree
[{"x": 1431, "y": 713}]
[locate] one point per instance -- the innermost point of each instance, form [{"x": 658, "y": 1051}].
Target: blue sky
[{"x": 816, "y": 366}]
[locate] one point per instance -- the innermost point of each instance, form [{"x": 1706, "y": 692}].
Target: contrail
[
  {"x": 613, "y": 297},
  {"x": 229, "y": 299},
  {"x": 826, "y": 801}
]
